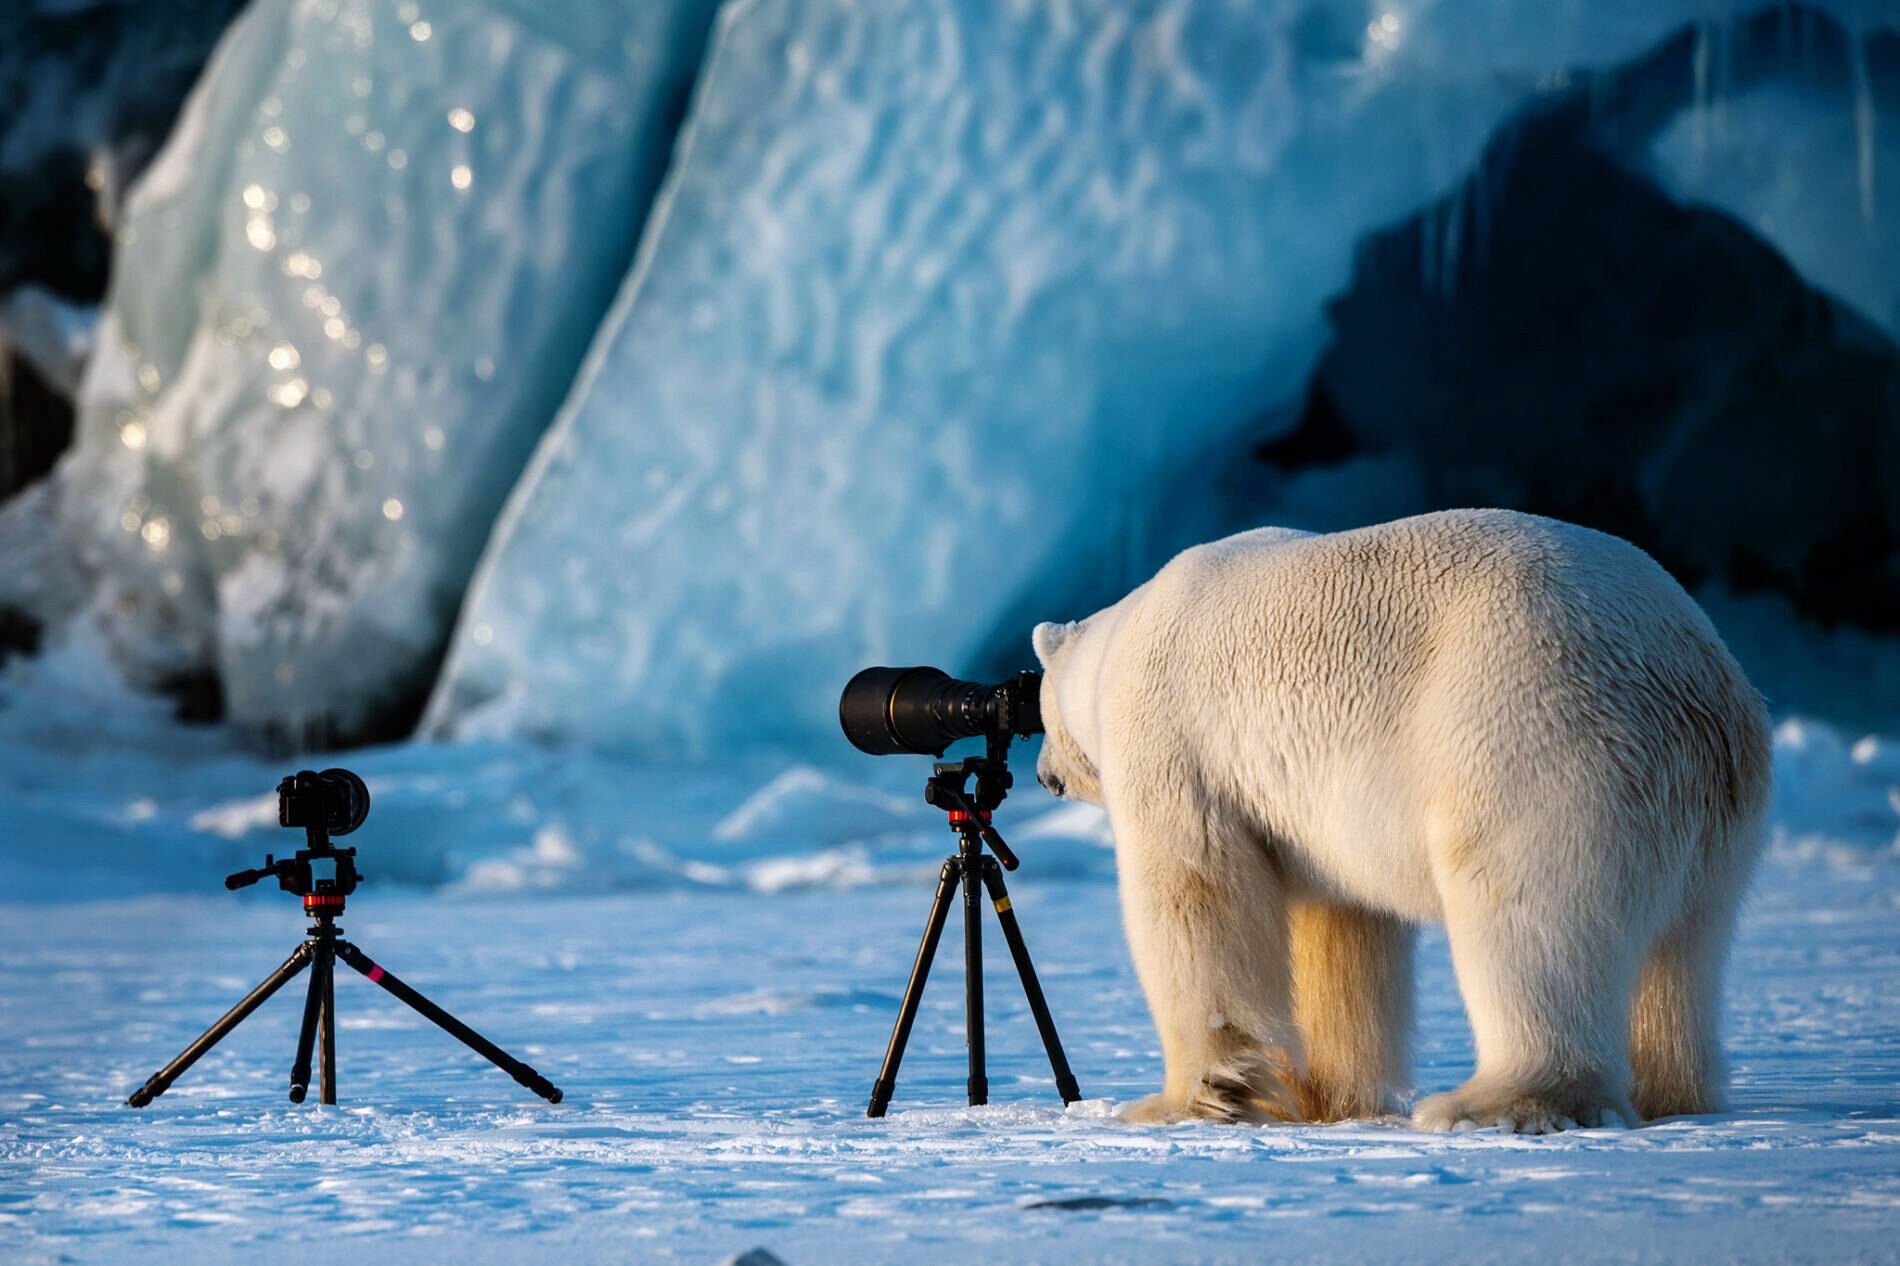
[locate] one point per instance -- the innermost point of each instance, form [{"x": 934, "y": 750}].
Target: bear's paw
[{"x": 1522, "y": 1110}]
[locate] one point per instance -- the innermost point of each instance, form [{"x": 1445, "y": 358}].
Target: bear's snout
[{"x": 1050, "y": 783}]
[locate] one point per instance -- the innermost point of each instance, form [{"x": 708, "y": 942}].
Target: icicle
[
  {"x": 1480, "y": 184},
  {"x": 1722, "y": 41},
  {"x": 1454, "y": 231},
  {"x": 1863, "y": 124},
  {"x": 1699, "y": 113}
]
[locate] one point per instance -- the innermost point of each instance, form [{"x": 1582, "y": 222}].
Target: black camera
[
  {"x": 921, "y": 711},
  {"x": 335, "y": 801}
]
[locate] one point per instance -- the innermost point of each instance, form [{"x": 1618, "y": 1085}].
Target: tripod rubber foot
[
  {"x": 145, "y": 1094},
  {"x": 298, "y": 1092},
  {"x": 881, "y": 1092},
  {"x": 539, "y": 1084},
  {"x": 1070, "y": 1092}
]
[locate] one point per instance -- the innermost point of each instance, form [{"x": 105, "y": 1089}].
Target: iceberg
[
  {"x": 947, "y": 318},
  {"x": 347, "y": 297}
]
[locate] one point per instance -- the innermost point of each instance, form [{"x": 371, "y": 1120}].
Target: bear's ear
[{"x": 1048, "y": 638}]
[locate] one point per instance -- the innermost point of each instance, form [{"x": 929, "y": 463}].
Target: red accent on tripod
[
  {"x": 958, "y": 817},
  {"x": 322, "y": 901}
]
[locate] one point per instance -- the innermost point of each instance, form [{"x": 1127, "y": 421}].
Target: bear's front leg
[{"x": 1207, "y": 928}]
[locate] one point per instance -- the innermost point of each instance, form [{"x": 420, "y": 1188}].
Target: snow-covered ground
[
  {"x": 708, "y": 964},
  {"x": 716, "y": 1049}
]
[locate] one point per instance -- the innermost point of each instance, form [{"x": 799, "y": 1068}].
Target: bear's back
[
  {"x": 1483, "y": 565},
  {"x": 1471, "y": 614}
]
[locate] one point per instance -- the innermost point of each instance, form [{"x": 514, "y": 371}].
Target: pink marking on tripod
[{"x": 375, "y": 972}]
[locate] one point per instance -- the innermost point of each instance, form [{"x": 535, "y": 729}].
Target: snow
[
  {"x": 946, "y": 317},
  {"x": 716, "y": 1049},
  {"x": 348, "y": 295},
  {"x": 707, "y": 961}
]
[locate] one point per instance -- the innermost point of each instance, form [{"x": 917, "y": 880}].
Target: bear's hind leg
[
  {"x": 1547, "y": 988},
  {"x": 1206, "y": 924},
  {"x": 1352, "y": 994},
  {"x": 1675, "y": 1040}
]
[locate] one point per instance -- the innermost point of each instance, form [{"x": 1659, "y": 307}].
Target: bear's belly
[
  {"x": 1358, "y": 851},
  {"x": 1376, "y": 878}
]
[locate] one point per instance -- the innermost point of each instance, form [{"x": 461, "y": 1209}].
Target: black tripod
[
  {"x": 975, "y": 869},
  {"x": 323, "y": 875}
]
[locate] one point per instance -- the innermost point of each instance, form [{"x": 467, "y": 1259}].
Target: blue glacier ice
[
  {"x": 348, "y": 296},
  {"x": 941, "y": 304}
]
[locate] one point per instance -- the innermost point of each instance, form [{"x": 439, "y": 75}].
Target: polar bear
[{"x": 1307, "y": 744}]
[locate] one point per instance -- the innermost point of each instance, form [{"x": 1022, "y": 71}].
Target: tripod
[
  {"x": 323, "y": 876},
  {"x": 976, "y": 870}
]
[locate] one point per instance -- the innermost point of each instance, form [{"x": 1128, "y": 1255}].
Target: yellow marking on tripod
[{"x": 1002, "y": 904}]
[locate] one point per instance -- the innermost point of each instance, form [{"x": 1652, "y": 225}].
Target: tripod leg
[
  {"x": 307, "y": 1035},
  {"x": 162, "y": 1079},
  {"x": 886, "y": 1083},
  {"x": 1032, "y": 988},
  {"x": 327, "y": 1023},
  {"x": 449, "y": 1024},
  {"x": 973, "y": 981}
]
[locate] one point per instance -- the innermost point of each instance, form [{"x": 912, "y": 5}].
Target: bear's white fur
[{"x": 1517, "y": 727}]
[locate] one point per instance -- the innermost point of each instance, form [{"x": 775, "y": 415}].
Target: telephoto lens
[{"x": 921, "y": 711}]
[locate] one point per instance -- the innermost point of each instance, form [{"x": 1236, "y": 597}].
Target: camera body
[
  {"x": 921, "y": 711},
  {"x": 334, "y": 802}
]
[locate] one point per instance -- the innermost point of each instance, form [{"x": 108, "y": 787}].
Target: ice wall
[
  {"x": 347, "y": 297},
  {"x": 943, "y": 300},
  {"x": 1810, "y": 160}
]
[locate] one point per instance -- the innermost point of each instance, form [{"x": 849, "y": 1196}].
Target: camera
[
  {"x": 335, "y": 801},
  {"x": 921, "y": 711}
]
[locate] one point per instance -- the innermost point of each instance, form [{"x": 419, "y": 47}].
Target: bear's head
[{"x": 1064, "y": 767}]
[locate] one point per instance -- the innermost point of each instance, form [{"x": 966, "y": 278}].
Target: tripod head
[
  {"x": 969, "y": 812},
  {"x": 335, "y": 801},
  {"x": 322, "y": 875}
]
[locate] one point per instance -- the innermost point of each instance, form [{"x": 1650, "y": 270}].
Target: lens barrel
[
  {"x": 921, "y": 711},
  {"x": 348, "y": 800}
]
